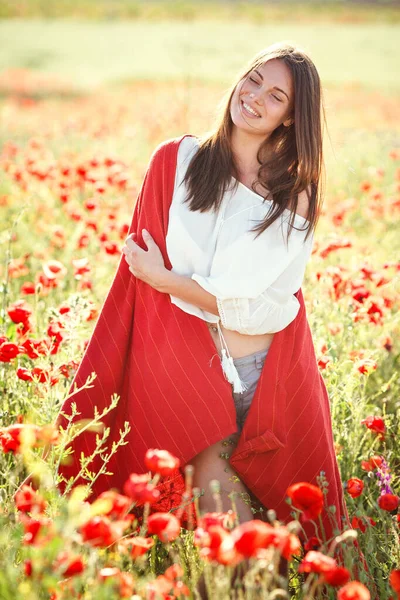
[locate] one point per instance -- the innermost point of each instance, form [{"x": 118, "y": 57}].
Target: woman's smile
[{"x": 251, "y": 112}]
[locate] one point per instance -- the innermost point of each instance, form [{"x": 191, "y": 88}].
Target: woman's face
[{"x": 268, "y": 90}]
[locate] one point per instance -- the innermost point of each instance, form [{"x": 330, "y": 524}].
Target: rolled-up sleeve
[{"x": 271, "y": 309}]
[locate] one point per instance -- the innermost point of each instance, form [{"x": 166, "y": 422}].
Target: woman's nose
[{"x": 255, "y": 97}]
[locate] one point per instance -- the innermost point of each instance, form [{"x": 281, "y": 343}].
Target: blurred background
[{"x": 123, "y": 75}]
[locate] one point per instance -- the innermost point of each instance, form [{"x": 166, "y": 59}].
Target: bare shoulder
[{"x": 303, "y": 203}]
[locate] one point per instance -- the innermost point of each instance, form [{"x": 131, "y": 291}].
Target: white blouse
[{"x": 254, "y": 280}]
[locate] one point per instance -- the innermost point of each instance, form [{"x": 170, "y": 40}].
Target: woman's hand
[{"x": 145, "y": 265}]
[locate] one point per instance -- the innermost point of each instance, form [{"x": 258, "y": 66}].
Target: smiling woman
[{"x": 221, "y": 235}]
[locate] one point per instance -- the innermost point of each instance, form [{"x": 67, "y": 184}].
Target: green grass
[
  {"x": 343, "y": 11},
  {"x": 90, "y": 53}
]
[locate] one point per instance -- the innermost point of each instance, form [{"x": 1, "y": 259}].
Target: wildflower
[
  {"x": 173, "y": 572},
  {"x": 366, "y": 366},
  {"x": 365, "y": 186},
  {"x": 216, "y": 544},
  {"x": 354, "y": 487},
  {"x": 69, "y": 564},
  {"x": 28, "y": 567},
  {"x": 25, "y": 435},
  {"x": 372, "y": 463},
  {"x": 313, "y": 543},
  {"x": 316, "y": 562},
  {"x": 250, "y": 536},
  {"x": 29, "y": 500},
  {"x": 388, "y": 502},
  {"x": 387, "y": 342},
  {"x": 354, "y": 590},
  {"x": 139, "y": 489},
  {"x": 55, "y": 330},
  {"x": 375, "y": 424},
  {"x": 394, "y": 580},
  {"x": 101, "y": 531},
  {"x": 34, "y": 348},
  {"x": 54, "y": 269},
  {"x": 136, "y": 545},
  {"x": 19, "y": 311},
  {"x": 308, "y": 498},
  {"x": 8, "y": 351},
  {"x": 38, "y": 530},
  {"x": 111, "y": 504},
  {"x": 225, "y": 519},
  {"x": 161, "y": 461},
  {"x": 361, "y": 523},
  {"x": 384, "y": 477},
  {"x": 335, "y": 577},
  {"x": 125, "y": 582},
  {"x": 165, "y": 525}
]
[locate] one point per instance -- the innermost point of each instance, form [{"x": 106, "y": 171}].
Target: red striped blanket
[{"x": 157, "y": 358}]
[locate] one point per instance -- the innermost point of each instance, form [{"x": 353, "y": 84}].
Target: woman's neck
[{"x": 244, "y": 148}]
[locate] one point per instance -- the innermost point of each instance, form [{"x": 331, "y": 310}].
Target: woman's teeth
[{"x": 248, "y": 109}]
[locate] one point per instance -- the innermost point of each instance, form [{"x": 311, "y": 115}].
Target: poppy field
[{"x": 72, "y": 163}]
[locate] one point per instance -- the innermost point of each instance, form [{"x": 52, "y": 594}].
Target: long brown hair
[{"x": 296, "y": 159}]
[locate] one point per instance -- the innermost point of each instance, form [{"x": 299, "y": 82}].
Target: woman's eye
[
  {"x": 254, "y": 80},
  {"x": 276, "y": 98}
]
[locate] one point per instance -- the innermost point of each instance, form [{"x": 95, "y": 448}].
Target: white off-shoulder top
[{"x": 253, "y": 280}]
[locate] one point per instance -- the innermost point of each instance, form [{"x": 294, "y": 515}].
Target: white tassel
[
  {"x": 231, "y": 373},
  {"x": 228, "y": 366}
]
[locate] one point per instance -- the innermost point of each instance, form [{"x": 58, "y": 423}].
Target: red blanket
[{"x": 157, "y": 358}]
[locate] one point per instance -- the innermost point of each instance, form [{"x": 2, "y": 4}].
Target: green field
[
  {"x": 90, "y": 53},
  {"x": 89, "y": 88}
]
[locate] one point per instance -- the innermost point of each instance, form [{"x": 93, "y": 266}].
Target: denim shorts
[{"x": 249, "y": 368}]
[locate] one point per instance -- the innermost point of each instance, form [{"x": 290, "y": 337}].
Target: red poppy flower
[
  {"x": 118, "y": 504},
  {"x": 19, "y": 311},
  {"x": 388, "y": 502},
  {"x": 313, "y": 543},
  {"x": 165, "y": 525},
  {"x": 250, "y": 536},
  {"x": 136, "y": 545},
  {"x": 13, "y": 437},
  {"x": 101, "y": 531},
  {"x": 366, "y": 366},
  {"x": 174, "y": 571},
  {"x": 69, "y": 564},
  {"x": 394, "y": 580},
  {"x": 375, "y": 424},
  {"x": 337, "y": 576},
  {"x": 54, "y": 269},
  {"x": 28, "y": 567},
  {"x": 29, "y": 500},
  {"x": 354, "y": 486},
  {"x": 125, "y": 582},
  {"x": 138, "y": 488},
  {"x": 308, "y": 498},
  {"x": 38, "y": 531},
  {"x": 217, "y": 544},
  {"x": 161, "y": 461},
  {"x": 316, "y": 562},
  {"x": 371, "y": 464},
  {"x": 225, "y": 519},
  {"x": 8, "y": 351},
  {"x": 354, "y": 590},
  {"x": 361, "y": 523}
]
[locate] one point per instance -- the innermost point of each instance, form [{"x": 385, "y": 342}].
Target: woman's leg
[
  {"x": 212, "y": 462},
  {"x": 209, "y": 465}
]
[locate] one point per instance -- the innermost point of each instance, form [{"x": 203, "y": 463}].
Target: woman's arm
[
  {"x": 149, "y": 267},
  {"x": 188, "y": 290}
]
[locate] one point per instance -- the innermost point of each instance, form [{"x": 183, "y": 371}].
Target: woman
[{"x": 195, "y": 283}]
